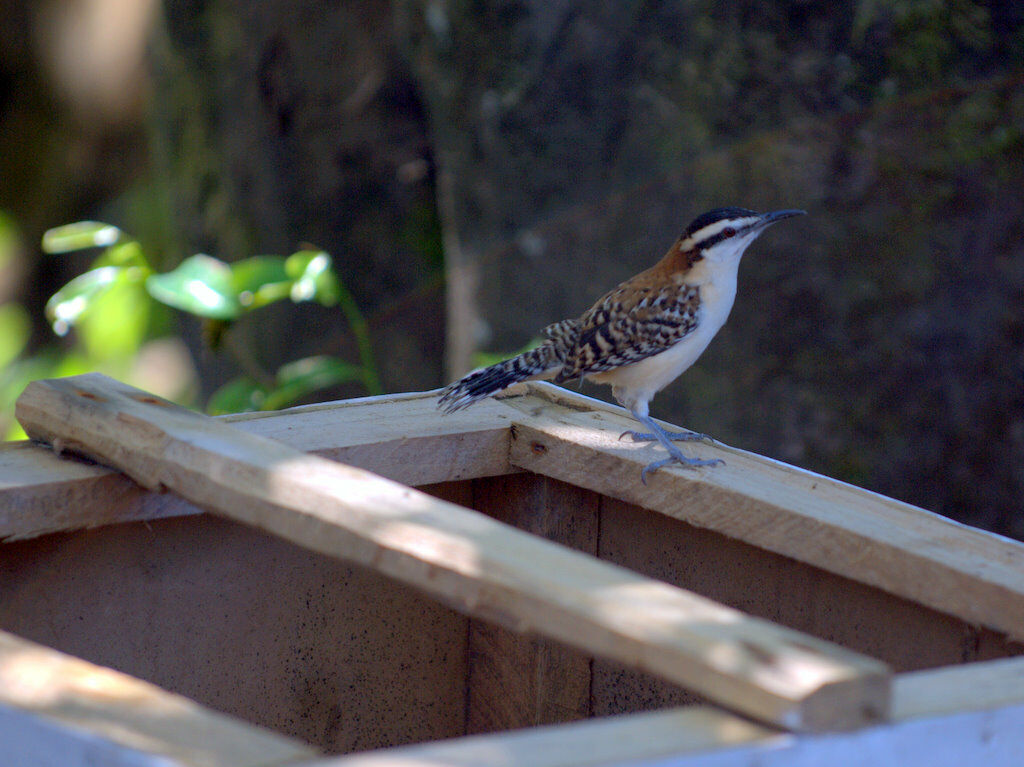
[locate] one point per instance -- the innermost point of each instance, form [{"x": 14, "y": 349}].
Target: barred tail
[{"x": 541, "y": 362}]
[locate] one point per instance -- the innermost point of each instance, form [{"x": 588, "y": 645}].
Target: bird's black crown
[{"x": 717, "y": 214}]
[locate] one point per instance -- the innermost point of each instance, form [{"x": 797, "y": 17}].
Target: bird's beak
[{"x": 777, "y": 215}]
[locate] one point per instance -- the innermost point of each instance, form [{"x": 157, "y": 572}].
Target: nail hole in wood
[
  {"x": 149, "y": 400},
  {"x": 538, "y": 448},
  {"x": 88, "y": 395}
]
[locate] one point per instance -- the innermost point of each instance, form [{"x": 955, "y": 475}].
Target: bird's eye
[{"x": 729, "y": 232}]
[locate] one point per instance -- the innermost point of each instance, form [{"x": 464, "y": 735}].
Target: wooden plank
[
  {"x": 974, "y": 575},
  {"x": 398, "y": 436},
  {"x": 55, "y": 709},
  {"x": 904, "y": 634},
  {"x": 402, "y": 437},
  {"x": 657, "y": 736},
  {"x": 674, "y": 739},
  {"x": 473, "y": 563},
  {"x": 520, "y": 681},
  {"x": 956, "y": 689},
  {"x": 972, "y": 714}
]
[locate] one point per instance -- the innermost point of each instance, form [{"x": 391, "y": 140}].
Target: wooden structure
[{"x": 748, "y": 614}]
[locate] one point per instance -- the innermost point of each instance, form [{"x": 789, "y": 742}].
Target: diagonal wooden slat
[
  {"x": 399, "y": 436},
  {"x": 976, "y": 575},
  {"x": 56, "y": 709},
  {"x": 482, "y": 567}
]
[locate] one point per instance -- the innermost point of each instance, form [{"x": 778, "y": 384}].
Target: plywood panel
[
  {"x": 523, "y": 681},
  {"x": 246, "y": 624}
]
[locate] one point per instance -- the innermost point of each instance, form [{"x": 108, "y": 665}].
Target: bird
[{"x": 645, "y": 333}]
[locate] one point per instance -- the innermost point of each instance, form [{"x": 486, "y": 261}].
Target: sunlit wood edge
[
  {"x": 463, "y": 558},
  {"x": 950, "y": 715},
  {"x": 916, "y": 554},
  {"x": 58, "y": 709}
]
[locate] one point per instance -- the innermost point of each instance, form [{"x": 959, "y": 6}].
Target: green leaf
[
  {"x": 314, "y": 278},
  {"x": 260, "y": 280},
  {"x": 15, "y": 328},
  {"x": 116, "y": 322},
  {"x": 81, "y": 235},
  {"x": 201, "y": 285},
  {"x": 127, "y": 253},
  {"x": 66, "y": 305},
  {"x": 301, "y": 378},
  {"x": 239, "y": 395}
]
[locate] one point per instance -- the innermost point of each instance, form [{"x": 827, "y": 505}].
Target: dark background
[{"x": 529, "y": 155}]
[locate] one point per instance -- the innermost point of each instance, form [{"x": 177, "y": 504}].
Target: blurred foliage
[
  {"x": 120, "y": 302},
  {"x": 483, "y": 359}
]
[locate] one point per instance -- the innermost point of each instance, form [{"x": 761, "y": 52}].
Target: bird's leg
[{"x": 675, "y": 454}]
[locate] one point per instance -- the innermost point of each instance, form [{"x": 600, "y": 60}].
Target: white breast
[{"x": 636, "y": 384}]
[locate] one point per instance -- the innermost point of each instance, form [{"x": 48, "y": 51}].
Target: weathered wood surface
[
  {"x": 924, "y": 557},
  {"x": 955, "y": 689},
  {"x": 398, "y": 436},
  {"x": 59, "y": 710},
  {"x": 520, "y": 681},
  {"x": 965, "y": 572},
  {"x": 655, "y": 738},
  {"x": 972, "y": 714},
  {"x": 974, "y": 575},
  {"x": 480, "y": 566},
  {"x": 905, "y": 634}
]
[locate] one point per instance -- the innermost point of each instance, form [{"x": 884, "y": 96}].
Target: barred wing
[{"x": 630, "y": 324}]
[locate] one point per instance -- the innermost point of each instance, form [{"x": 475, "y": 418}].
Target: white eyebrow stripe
[{"x": 712, "y": 229}]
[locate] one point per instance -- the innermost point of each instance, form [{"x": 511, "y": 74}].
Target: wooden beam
[
  {"x": 56, "y": 709},
  {"x": 955, "y": 689},
  {"x": 972, "y": 574},
  {"x": 398, "y": 436},
  {"x": 473, "y": 563},
  {"x": 971, "y": 714},
  {"x": 658, "y": 737}
]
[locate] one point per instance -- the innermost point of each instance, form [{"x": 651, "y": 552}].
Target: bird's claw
[
  {"x": 679, "y": 436},
  {"x": 682, "y": 460}
]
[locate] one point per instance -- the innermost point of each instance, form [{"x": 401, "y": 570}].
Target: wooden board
[
  {"x": 944, "y": 718},
  {"x": 401, "y": 437},
  {"x": 656, "y": 738},
  {"x": 904, "y": 634},
  {"x": 968, "y": 573},
  {"x": 59, "y": 710},
  {"x": 473, "y": 563},
  {"x": 522, "y": 681},
  {"x": 924, "y": 557}
]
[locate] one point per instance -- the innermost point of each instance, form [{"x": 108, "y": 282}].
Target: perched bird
[{"x": 642, "y": 335}]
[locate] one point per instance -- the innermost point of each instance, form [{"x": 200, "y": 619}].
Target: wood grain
[
  {"x": 475, "y": 564},
  {"x": 246, "y": 624},
  {"x": 521, "y": 681},
  {"x": 972, "y": 714},
  {"x": 921, "y": 556},
  {"x": 55, "y": 709},
  {"x": 400, "y": 437}
]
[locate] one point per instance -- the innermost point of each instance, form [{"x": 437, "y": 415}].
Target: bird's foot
[
  {"x": 679, "y": 436},
  {"x": 682, "y": 460}
]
